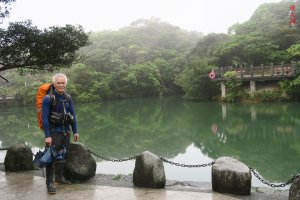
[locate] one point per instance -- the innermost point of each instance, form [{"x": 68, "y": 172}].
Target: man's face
[{"x": 60, "y": 84}]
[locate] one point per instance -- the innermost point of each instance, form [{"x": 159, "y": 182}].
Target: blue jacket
[{"x": 46, "y": 110}]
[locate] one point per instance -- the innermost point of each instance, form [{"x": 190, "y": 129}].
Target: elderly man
[{"x": 57, "y": 117}]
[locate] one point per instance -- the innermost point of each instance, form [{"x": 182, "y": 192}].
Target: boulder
[
  {"x": 80, "y": 164},
  {"x": 231, "y": 176},
  {"x": 149, "y": 171},
  {"x": 18, "y": 157},
  {"x": 294, "y": 192}
]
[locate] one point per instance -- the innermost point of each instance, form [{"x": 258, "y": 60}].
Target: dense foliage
[
  {"x": 5, "y": 8},
  {"x": 140, "y": 60},
  {"x": 265, "y": 38},
  {"x": 154, "y": 58},
  {"x": 24, "y": 46}
]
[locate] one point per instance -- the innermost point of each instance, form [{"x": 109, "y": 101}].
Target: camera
[{"x": 69, "y": 118}]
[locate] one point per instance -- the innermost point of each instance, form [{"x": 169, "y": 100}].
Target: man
[{"x": 57, "y": 117}]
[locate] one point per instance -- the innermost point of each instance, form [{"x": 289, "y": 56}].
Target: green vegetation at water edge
[{"x": 154, "y": 58}]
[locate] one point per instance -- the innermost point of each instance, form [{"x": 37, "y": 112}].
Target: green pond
[{"x": 263, "y": 136}]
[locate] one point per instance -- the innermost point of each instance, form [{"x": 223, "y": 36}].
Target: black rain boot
[
  {"x": 59, "y": 175},
  {"x": 49, "y": 180}
]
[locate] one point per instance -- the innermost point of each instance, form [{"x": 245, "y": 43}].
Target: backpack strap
[
  {"x": 68, "y": 97},
  {"x": 52, "y": 97},
  {"x": 53, "y": 100}
]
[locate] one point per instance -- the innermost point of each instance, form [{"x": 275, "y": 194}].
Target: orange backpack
[{"x": 42, "y": 91}]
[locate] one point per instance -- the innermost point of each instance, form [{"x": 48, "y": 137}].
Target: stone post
[
  {"x": 294, "y": 191},
  {"x": 223, "y": 90},
  {"x": 231, "y": 176},
  {"x": 149, "y": 171},
  {"x": 252, "y": 87},
  {"x": 18, "y": 158}
]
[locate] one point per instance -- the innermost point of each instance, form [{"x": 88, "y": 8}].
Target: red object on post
[
  {"x": 293, "y": 19},
  {"x": 292, "y": 8}
]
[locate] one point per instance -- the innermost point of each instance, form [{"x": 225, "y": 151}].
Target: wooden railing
[
  {"x": 7, "y": 100},
  {"x": 271, "y": 72}
]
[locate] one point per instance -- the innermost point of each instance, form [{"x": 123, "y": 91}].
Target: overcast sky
[{"x": 205, "y": 16}]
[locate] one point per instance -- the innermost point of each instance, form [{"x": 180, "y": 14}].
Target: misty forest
[{"x": 148, "y": 58}]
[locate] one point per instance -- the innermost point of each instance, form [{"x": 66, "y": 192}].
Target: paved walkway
[{"x": 25, "y": 186}]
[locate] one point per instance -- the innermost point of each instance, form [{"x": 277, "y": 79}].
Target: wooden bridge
[
  {"x": 272, "y": 72},
  {"x": 253, "y": 74}
]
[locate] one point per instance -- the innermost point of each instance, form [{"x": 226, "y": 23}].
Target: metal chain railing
[
  {"x": 184, "y": 165},
  {"x": 271, "y": 184},
  {"x": 191, "y": 166},
  {"x": 198, "y": 166},
  {"x": 111, "y": 159},
  {"x": 134, "y": 157}
]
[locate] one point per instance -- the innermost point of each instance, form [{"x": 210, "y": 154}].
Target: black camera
[{"x": 69, "y": 118}]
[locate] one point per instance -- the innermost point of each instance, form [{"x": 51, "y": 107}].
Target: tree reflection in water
[{"x": 264, "y": 136}]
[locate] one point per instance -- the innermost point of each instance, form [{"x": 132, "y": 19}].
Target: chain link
[
  {"x": 111, "y": 159},
  {"x": 190, "y": 166},
  {"x": 184, "y": 165},
  {"x": 271, "y": 184},
  {"x": 134, "y": 157}
]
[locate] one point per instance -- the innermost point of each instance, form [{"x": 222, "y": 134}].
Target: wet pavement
[{"x": 28, "y": 185}]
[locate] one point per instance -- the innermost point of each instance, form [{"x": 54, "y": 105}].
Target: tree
[
  {"x": 25, "y": 47},
  {"x": 94, "y": 89},
  {"x": 103, "y": 60},
  {"x": 247, "y": 49},
  {"x": 5, "y": 8},
  {"x": 195, "y": 82},
  {"x": 141, "y": 80},
  {"x": 144, "y": 41},
  {"x": 294, "y": 51}
]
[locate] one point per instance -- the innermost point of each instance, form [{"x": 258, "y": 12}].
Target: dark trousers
[{"x": 59, "y": 140}]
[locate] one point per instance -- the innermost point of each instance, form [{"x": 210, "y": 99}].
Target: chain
[
  {"x": 111, "y": 159},
  {"x": 184, "y": 165},
  {"x": 271, "y": 184},
  {"x": 190, "y": 166},
  {"x": 134, "y": 157}
]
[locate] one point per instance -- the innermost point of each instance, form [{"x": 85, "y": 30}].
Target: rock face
[
  {"x": 18, "y": 157},
  {"x": 149, "y": 171},
  {"x": 80, "y": 164},
  {"x": 231, "y": 176},
  {"x": 294, "y": 192}
]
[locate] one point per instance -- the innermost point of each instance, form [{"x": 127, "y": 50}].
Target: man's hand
[
  {"x": 48, "y": 141},
  {"x": 76, "y": 137}
]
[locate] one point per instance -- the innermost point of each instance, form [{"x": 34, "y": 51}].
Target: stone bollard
[
  {"x": 294, "y": 192},
  {"x": 80, "y": 164},
  {"x": 149, "y": 171},
  {"x": 231, "y": 176},
  {"x": 18, "y": 157}
]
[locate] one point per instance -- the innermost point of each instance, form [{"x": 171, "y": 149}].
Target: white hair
[{"x": 59, "y": 75}]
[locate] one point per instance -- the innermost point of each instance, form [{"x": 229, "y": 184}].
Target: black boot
[
  {"x": 59, "y": 174},
  {"x": 49, "y": 180}
]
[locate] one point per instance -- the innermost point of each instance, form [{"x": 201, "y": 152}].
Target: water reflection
[{"x": 264, "y": 136}]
